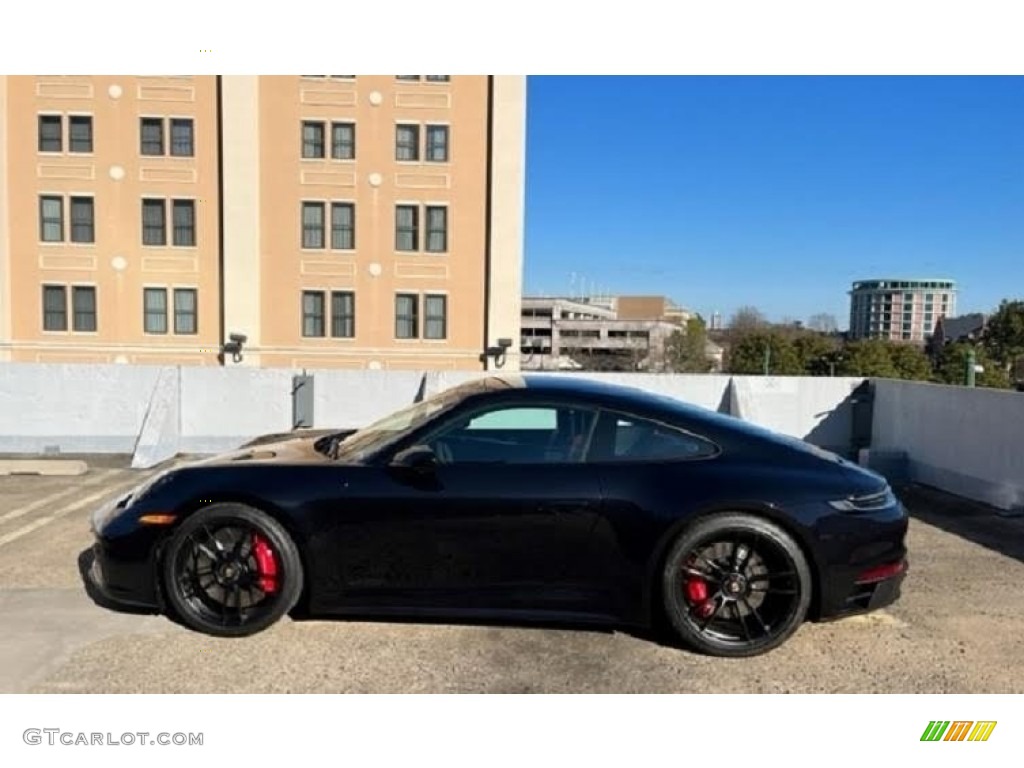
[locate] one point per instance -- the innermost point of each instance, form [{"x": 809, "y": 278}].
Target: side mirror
[{"x": 418, "y": 458}]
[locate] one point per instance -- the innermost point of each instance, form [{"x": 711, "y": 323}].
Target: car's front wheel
[
  {"x": 735, "y": 585},
  {"x": 231, "y": 570}
]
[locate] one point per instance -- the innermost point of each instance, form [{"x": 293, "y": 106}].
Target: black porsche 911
[{"x": 516, "y": 498}]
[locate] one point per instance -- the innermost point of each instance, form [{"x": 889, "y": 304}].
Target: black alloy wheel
[
  {"x": 735, "y": 585},
  {"x": 231, "y": 570}
]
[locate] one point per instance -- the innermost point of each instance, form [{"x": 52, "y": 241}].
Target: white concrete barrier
[
  {"x": 73, "y": 408},
  {"x": 815, "y": 409},
  {"x": 352, "y": 399},
  {"x": 967, "y": 441},
  {"x": 222, "y": 408}
]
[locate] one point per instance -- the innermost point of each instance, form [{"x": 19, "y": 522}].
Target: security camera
[{"x": 239, "y": 338}]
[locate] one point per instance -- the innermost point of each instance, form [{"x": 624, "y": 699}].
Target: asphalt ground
[{"x": 959, "y": 627}]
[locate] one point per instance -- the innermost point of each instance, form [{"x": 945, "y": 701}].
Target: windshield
[{"x": 376, "y": 436}]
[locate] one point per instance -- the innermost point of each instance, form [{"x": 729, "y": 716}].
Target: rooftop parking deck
[{"x": 959, "y": 627}]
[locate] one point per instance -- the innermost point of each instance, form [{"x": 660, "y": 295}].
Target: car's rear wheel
[
  {"x": 735, "y": 585},
  {"x": 231, "y": 570}
]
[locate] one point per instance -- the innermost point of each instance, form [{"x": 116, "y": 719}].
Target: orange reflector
[{"x": 157, "y": 519}]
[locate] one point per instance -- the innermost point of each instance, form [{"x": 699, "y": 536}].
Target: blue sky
[{"x": 776, "y": 192}]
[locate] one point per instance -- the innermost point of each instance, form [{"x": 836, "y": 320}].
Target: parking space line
[
  {"x": 95, "y": 480},
  {"x": 41, "y": 521}
]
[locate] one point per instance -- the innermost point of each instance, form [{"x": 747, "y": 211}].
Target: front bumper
[{"x": 120, "y": 584}]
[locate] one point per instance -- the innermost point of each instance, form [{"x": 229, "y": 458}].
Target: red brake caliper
[
  {"x": 266, "y": 563},
  {"x": 697, "y": 596}
]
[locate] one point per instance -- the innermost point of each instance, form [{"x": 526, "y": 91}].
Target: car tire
[
  {"x": 194, "y": 602},
  {"x": 735, "y": 585}
]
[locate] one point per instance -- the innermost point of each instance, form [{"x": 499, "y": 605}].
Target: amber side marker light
[{"x": 157, "y": 519}]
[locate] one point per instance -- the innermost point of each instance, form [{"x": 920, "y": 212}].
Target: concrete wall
[
  {"x": 78, "y": 408},
  {"x": 156, "y": 412},
  {"x": 969, "y": 442},
  {"x": 815, "y": 409}
]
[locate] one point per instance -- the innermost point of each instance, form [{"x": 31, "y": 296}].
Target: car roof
[{"x": 593, "y": 390}]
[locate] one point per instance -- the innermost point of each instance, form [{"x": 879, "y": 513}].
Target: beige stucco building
[{"x": 332, "y": 220}]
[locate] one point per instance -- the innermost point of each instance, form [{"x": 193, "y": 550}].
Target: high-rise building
[
  {"x": 899, "y": 310},
  {"x": 330, "y": 220}
]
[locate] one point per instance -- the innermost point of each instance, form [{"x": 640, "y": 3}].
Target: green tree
[
  {"x": 685, "y": 350},
  {"x": 747, "y": 354},
  {"x": 910, "y": 362},
  {"x": 868, "y": 357},
  {"x": 1003, "y": 338},
  {"x": 951, "y": 367},
  {"x": 815, "y": 353}
]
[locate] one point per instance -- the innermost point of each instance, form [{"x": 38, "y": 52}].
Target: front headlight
[{"x": 872, "y": 502}]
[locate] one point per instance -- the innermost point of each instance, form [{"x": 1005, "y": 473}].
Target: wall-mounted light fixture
[
  {"x": 233, "y": 348},
  {"x": 497, "y": 352}
]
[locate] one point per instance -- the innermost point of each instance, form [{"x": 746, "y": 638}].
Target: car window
[
  {"x": 515, "y": 434},
  {"x": 627, "y": 438}
]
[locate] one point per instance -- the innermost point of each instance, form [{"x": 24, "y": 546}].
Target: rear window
[{"x": 627, "y": 438}]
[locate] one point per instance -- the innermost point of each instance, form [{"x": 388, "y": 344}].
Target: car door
[
  {"x": 651, "y": 473},
  {"x": 502, "y": 521}
]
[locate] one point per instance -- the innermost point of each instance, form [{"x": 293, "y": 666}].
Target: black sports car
[{"x": 516, "y": 497}]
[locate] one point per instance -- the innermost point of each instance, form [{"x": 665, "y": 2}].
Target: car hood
[{"x": 296, "y": 450}]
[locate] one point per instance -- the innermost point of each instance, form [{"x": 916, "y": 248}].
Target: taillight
[{"x": 882, "y": 572}]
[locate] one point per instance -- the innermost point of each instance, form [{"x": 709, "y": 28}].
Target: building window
[
  {"x": 435, "y": 317},
  {"x": 414, "y": 78},
  {"x": 407, "y": 228},
  {"x": 312, "y": 313},
  {"x": 55, "y": 308},
  {"x": 437, "y": 144},
  {"x": 155, "y": 310},
  {"x": 183, "y": 214},
  {"x": 312, "y": 225},
  {"x": 438, "y": 78},
  {"x": 343, "y": 141},
  {"x": 312, "y": 140},
  {"x": 151, "y": 134},
  {"x": 407, "y": 142},
  {"x": 51, "y": 219},
  {"x": 437, "y": 228},
  {"x": 80, "y": 133},
  {"x": 83, "y": 218},
  {"x": 51, "y": 133},
  {"x": 407, "y": 316},
  {"x": 185, "y": 311},
  {"x": 343, "y": 314},
  {"x": 343, "y": 226},
  {"x": 154, "y": 223},
  {"x": 182, "y": 137},
  {"x": 83, "y": 305}
]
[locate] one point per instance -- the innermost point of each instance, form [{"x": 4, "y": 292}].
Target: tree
[
  {"x": 747, "y": 318},
  {"x": 910, "y": 362},
  {"x": 951, "y": 367},
  {"x": 1003, "y": 338},
  {"x": 685, "y": 351},
  {"x": 822, "y": 323},
  {"x": 868, "y": 357},
  {"x": 747, "y": 354},
  {"x": 816, "y": 353}
]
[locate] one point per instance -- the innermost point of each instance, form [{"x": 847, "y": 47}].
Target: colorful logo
[{"x": 959, "y": 730}]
